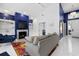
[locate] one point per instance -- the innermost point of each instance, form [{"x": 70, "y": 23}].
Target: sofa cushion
[
  {"x": 44, "y": 37},
  {"x": 36, "y": 39}
]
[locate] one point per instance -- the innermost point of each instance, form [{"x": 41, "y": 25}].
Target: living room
[
  {"x": 22, "y": 22},
  {"x": 39, "y": 29}
]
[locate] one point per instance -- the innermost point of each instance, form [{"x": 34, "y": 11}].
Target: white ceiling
[
  {"x": 34, "y": 9},
  {"x": 70, "y": 6},
  {"x": 31, "y": 9}
]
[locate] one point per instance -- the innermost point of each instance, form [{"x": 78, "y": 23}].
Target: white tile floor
[{"x": 68, "y": 46}]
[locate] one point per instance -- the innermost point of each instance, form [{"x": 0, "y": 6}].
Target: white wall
[
  {"x": 7, "y": 27},
  {"x": 51, "y": 17}
]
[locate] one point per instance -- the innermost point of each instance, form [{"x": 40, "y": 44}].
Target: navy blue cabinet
[{"x": 1, "y": 15}]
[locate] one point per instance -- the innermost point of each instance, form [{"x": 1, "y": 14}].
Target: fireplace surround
[{"x": 22, "y": 33}]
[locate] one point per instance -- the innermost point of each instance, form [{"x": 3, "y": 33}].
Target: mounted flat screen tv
[{"x": 22, "y": 25}]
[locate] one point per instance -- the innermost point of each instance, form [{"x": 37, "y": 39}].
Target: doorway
[
  {"x": 61, "y": 28},
  {"x": 73, "y": 28}
]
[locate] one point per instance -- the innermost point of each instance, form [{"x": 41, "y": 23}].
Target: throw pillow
[
  {"x": 29, "y": 39},
  {"x": 35, "y": 40}
]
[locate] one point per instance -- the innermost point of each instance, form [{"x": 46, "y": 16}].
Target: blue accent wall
[
  {"x": 21, "y": 18},
  {"x": 65, "y": 17},
  {"x": 66, "y": 21},
  {"x": 61, "y": 18},
  {"x": 61, "y": 10}
]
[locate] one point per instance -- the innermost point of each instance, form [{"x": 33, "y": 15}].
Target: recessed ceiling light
[
  {"x": 73, "y": 13},
  {"x": 6, "y": 11}
]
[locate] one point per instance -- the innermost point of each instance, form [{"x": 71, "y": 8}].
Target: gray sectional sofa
[{"x": 41, "y": 45}]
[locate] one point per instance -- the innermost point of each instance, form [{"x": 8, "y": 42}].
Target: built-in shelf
[{"x": 7, "y": 27}]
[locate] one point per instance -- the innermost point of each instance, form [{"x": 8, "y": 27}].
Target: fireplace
[{"x": 22, "y": 33}]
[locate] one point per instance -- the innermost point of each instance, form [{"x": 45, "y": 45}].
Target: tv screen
[{"x": 23, "y": 25}]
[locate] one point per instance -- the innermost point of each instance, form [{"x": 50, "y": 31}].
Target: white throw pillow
[
  {"x": 29, "y": 39},
  {"x": 35, "y": 40}
]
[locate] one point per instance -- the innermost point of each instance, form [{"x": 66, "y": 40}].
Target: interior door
[{"x": 75, "y": 28}]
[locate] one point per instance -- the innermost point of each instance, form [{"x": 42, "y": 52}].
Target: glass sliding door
[{"x": 73, "y": 27}]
